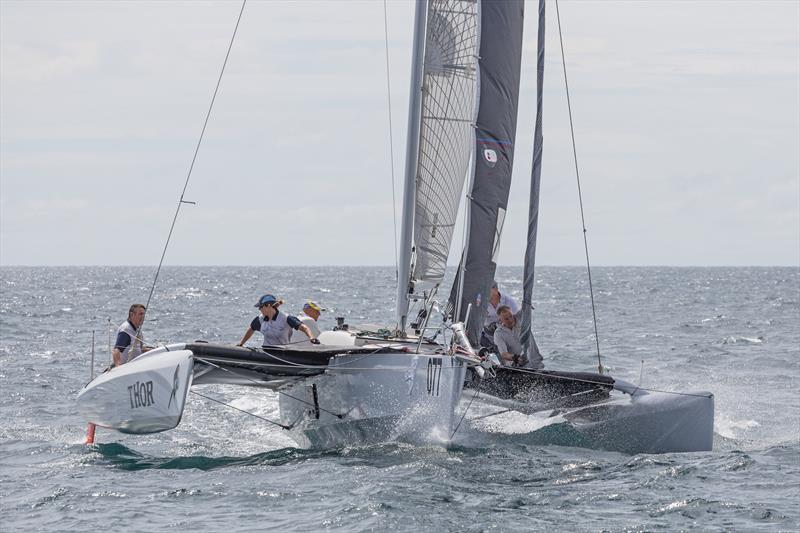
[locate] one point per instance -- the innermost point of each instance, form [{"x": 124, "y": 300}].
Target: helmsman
[{"x": 130, "y": 343}]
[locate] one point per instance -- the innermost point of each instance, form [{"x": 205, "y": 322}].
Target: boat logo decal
[
  {"x": 141, "y": 394},
  {"x": 490, "y": 156},
  {"x": 176, "y": 382}
]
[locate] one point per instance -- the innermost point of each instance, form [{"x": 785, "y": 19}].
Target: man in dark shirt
[{"x": 130, "y": 343}]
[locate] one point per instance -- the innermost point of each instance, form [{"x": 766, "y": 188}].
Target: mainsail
[
  {"x": 441, "y": 121},
  {"x": 500, "y": 58}
]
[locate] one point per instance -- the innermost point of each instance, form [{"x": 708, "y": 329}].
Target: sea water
[{"x": 732, "y": 331}]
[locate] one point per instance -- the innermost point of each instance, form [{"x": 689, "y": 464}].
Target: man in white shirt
[
  {"x": 309, "y": 317},
  {"x": 497, "y": 300},
  {"x": 507, "y": 340}
]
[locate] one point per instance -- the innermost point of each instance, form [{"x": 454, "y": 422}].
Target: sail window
[{"x": 498, "y": 232}]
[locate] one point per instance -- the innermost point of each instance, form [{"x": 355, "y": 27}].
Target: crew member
[
  {"x": 274, "y": 325},
  {"x": 495, "y": 301},
  {"x": 309, "y": 317},
  {"x": 130, "y": 343},
  {"x": 507, "y": 340}
]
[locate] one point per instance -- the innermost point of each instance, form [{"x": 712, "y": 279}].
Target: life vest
[
  {"x": 134, "y": 349},
  {"x": 275, "y": 331}
]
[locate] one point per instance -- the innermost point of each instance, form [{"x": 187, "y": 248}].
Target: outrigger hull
[
  {"x": 648, "y": 422},
  {"x": 146, "y": 395},
  {"x": 600, "y": 412}
]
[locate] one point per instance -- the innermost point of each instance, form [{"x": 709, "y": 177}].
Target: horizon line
[{"x": 388, "y": 266}]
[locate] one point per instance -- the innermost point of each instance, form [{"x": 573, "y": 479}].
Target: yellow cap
[{"x": 314, "y": 306}]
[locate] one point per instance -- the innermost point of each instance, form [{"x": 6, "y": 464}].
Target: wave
[
  {"x": 120, "y": 456},
  {"x": 744, "y": 340}
]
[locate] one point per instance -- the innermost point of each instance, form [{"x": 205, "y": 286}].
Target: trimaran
[{"x": 358, "y": 387}]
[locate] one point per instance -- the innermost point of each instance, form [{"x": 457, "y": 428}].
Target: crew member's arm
[
  {"x": 305, "y": 329},
  {"x": 145, "y": 347},
  {"x": 117, "y": 356},
  {"x": 246, "y": 336},
  {"x": 123, "y": 341},
  {"x": 502, "y": 347},
  {"x": 297, "y": 324},
  {"x": 508, "y": 358}
]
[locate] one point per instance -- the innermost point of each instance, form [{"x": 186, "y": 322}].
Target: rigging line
[
  {"x": 580, "y": 196},
  {"x": 391, "y": 139},
  {"x": 261, "y": 384},
  {"x": 181, "y": 201},
  {"x": 241, "y": 410},
  {"x": 477, "y": 390}
]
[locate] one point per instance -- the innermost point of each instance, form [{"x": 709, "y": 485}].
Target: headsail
[
  {"x": 500, "y": 58},
  {"x": 445, "y": 98}
]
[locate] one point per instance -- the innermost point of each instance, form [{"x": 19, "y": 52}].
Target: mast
[
  {"x": 528, "y": 342},
  {"x": 412, "y": 147}
]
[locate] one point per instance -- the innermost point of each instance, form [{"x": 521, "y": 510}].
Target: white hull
[
  {"x": 382, "y": 397},
  {"x": 146, "y": 395}
]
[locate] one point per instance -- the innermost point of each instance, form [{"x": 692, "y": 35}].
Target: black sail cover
[{"x": 500, "y": 57}]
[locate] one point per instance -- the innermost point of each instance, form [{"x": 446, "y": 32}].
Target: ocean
[{"x": 732, "y": 331}]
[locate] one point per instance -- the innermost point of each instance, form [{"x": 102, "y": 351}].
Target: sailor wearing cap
[
  {"x": 497, "y": 300},
  {"x": 309, "y": 317},
  {"x": 276, "y": 326}
]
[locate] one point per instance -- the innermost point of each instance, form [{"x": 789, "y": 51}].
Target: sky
[{"x": 687, "y": 125}]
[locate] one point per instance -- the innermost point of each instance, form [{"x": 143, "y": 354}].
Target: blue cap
[{"x": 266, "y": 299}]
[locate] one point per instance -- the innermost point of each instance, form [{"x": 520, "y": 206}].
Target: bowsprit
[{"x": 141, "y": 394}]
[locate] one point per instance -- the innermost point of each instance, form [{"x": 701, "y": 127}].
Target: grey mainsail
[
  {"x": 500, "y": 58},
  {"x": 441, "y": 117},
  {"x": 526, "y": 336}
]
